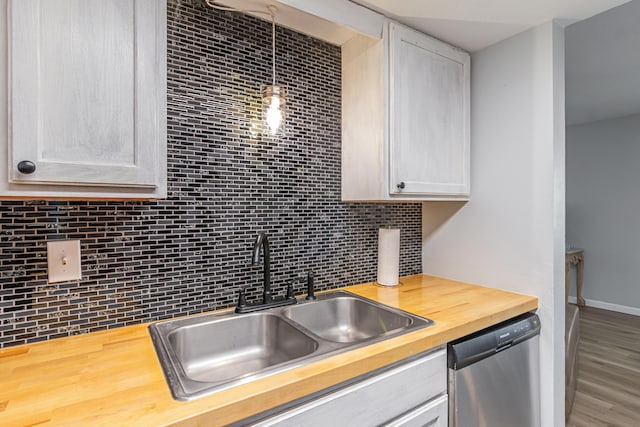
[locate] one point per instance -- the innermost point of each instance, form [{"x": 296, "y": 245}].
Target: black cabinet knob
[
  {"x": 26, "y": 167},
  {"x": 400, "y": 186}
]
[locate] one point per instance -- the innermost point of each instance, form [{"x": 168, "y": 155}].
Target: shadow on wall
[{"x": 436, "y": 214}]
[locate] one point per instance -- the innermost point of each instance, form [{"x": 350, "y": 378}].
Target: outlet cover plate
[{"x": 63, "y": 260}]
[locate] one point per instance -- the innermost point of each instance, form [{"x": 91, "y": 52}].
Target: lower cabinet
[{"x": 409, "y": 393}]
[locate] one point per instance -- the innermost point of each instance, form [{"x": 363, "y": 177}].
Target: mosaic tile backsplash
[{"x": 150, "y": 260}]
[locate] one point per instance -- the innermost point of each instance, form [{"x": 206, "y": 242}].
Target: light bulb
[
  {"x": 274, "y": 115},
  {"x": 274, "y": 104}
]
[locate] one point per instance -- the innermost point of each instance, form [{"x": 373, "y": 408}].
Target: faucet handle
[
  {"x": 310, "y": 290},
  {"x": 242, "y": 300},
  {"x": 290, "y": 291}
]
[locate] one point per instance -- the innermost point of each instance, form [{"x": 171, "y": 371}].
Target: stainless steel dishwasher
[{"x": 494, "y": 376}]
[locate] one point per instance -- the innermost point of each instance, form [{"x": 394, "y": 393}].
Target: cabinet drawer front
[
  {"x": 87, "y": 91},
  {"x": 432, "y": 414},
  {"x": 375, "y": 400}
]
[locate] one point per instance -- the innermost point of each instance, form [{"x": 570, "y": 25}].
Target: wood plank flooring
[{"x": 608, "y": 391}]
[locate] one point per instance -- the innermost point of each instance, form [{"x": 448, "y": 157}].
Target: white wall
[
  {"x": 603, "y": 209},
  {"x": 510, "y": 235}
]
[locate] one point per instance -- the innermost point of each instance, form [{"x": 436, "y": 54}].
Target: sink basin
[
  {"x": 218, "y": 351},
  {"x": 204, "y": 354},
  {"x": 347, "y": 319}
]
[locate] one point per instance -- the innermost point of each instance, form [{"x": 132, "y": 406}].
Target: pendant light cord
[{"x": 273, "y": 42}]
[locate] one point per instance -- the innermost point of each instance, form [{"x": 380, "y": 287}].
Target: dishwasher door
[{"x": 500, "y": 388}]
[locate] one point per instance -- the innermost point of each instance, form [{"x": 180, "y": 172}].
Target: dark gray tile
[{"x": 145, "y": 261}]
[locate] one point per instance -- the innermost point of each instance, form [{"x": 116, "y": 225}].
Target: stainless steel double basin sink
[{"x": 203, "y": 354}]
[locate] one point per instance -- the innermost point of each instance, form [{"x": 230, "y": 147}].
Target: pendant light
[{"x": 274, "y": 99}]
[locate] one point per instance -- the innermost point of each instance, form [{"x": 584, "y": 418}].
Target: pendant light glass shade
[{"x": 274, "y": 105}]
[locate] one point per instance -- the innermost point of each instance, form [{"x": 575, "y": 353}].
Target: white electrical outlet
[{"x": 63, "y": 260}]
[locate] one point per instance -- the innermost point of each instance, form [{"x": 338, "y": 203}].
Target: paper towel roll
[{"x": 388, "y": 256}]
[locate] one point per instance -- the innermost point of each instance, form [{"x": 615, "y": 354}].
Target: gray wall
[
  {"x": 602, "y": 65},
  {"x": 603, "y": 209},
  {"x": 510, "y": 235}
]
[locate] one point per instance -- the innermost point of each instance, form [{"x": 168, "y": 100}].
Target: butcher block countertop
[{"x": 113, "y": 378}]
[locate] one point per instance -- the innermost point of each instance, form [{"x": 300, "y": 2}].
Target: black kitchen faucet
[{"x": 267, "y": 299}]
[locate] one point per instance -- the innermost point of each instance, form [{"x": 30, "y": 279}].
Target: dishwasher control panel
[{"x": 482, "y": 344}]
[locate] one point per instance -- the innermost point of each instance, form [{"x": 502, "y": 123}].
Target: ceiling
[
  {"x": 602, "y": 62},
  {"x": 476, "y": 24},
  {"x": 602, "y": 66},
  {"x": 602, "y": 38}
]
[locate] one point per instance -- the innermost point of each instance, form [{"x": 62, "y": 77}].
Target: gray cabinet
[
  {"x": 405, "y": 118},
  {"x": 86, "y": 105},
  {"x": 411, "y": 393}
]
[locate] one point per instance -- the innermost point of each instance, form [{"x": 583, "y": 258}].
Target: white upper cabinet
[
  {"x": 428, "y": 115},
  {"x": 405, "y": 118},
  {"x": 87, "y": 99}
]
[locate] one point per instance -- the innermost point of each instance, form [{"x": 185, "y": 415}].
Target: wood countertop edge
[{"x": 155, "y": 406}]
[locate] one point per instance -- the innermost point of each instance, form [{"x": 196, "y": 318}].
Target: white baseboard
[{"x": 608, "y": 306}]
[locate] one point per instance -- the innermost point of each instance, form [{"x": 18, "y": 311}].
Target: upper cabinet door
[
  {"x": 428, "y": 115},
  {"x": 87, "y": 92}
]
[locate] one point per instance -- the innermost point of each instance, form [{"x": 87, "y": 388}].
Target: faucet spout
[
  {"x": 268, "y": 301},
  {"x": 263, "y": 242}
]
